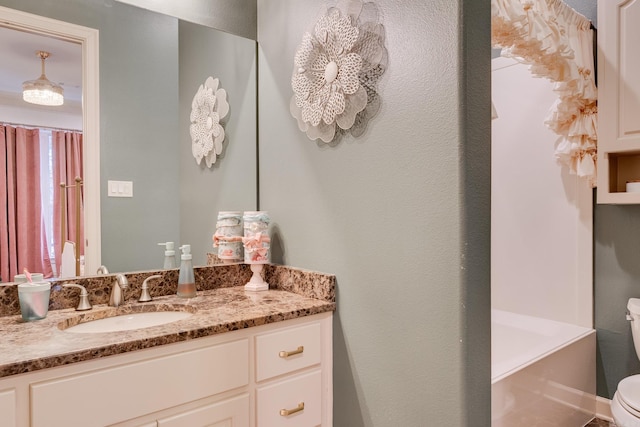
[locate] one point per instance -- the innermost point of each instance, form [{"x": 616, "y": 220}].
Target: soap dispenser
[
  {"x": 169, "y": 255},
  {"x": 186, "y": 280}
]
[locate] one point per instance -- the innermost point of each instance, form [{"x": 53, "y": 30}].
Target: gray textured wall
[
  {"x": 588, "y": 8},
  {"x": 400, "y": 215},
  {"x": 235, "y": 17},
  {"x": 617, "y": 278}
]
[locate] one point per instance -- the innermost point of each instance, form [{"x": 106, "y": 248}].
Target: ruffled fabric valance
[{"x": 557, "y": 43}]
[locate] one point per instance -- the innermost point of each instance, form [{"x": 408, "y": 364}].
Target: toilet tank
[{"x": 634, "y": 316}]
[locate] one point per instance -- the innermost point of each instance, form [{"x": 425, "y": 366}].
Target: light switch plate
[{"x": 120, "y": 188}]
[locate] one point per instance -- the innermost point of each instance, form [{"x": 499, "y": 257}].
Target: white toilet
[{"x": 625, "y": 405}]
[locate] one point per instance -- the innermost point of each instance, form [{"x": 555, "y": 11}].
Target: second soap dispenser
[
  {"x": 169, "y": 255},
  {"x": 186, "y": 279}
]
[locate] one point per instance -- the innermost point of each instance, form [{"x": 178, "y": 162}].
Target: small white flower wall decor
[
  {"x": 208, "y": 108},
  {"x": 336, "y": 70}
]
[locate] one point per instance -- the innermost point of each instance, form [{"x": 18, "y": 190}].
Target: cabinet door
[
  {"x": 232, "y": 412},
  {"x": 618, "y": 100},
  {"x": 141, "y": 388},
  {"x": 8, "y": 408},
  {"x": 619, "y": 86}
]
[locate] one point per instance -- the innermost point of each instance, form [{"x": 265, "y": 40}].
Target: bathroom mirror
[{"x": 151, "y": 65}]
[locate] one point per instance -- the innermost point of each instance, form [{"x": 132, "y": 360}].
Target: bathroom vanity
[{"x": 240, "y": 358}]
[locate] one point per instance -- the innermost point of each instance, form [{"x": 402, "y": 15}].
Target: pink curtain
[
  {"x": 23, "y": 239},
  {"x": 67, "y": 165}
]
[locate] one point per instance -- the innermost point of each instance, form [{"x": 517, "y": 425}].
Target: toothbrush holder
[{"x": 34, "y": 300}]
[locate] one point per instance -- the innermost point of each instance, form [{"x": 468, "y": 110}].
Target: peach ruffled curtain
[
  {"x": 67, "y": 165},
  {"x": 23, "y": 240},
  {"x": 557, "y": 43}
]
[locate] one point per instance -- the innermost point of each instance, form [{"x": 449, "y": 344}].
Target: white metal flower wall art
[
  {"x": 208, "y": 108},
  {"x": 336, "y": 70}
]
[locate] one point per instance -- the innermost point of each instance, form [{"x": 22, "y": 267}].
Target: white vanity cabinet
[
  {"x": 240, "y": 378},
  {"x": 618, "y": 100}
]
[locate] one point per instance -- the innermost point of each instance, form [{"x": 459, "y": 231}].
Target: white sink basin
[{"x": 128, "y": 322}]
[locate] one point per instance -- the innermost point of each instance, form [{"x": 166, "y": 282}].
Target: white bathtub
[{"x": 542, "y": 372}]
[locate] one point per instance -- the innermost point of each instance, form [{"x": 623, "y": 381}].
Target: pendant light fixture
[{"x": 42, "y": 91}]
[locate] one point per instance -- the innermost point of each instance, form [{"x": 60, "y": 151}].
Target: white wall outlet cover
[{"x": 119, "y": 188}]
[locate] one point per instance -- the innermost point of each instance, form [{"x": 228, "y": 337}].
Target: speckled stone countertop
[{"x": 293, "y": 293}]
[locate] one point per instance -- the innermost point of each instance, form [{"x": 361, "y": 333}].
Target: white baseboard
[{"x": 603, "y": 408}]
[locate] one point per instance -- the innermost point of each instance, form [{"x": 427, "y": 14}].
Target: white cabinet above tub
[
  {"x": 210, "y": 381},
  {"x": 618, "y": 100}
]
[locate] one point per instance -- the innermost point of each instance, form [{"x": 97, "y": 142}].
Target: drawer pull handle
[
  {"x": 285, "y": 354},
  {"x": 287, "y": 412}
]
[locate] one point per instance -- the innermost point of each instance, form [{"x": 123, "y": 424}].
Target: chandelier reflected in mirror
[{"x": 42, "y": 91}]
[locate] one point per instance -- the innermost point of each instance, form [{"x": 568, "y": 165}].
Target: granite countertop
[{"x": 30, "y": 346}]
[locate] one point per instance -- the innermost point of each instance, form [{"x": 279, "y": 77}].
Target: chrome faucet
[
  {"x": 84, "y": 296},
  {"x": 102, "y": 270},
  {"x": 145, "y": 296},
  {"x": 117, "y": 290}
]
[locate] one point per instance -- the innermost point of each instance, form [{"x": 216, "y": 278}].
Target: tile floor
[{"x": 600, "y": 423}]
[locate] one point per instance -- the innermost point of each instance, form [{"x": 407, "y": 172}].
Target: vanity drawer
[
  {"x": 273, "y": 402},
  {"x": 282, "y": 352},
  {"x": 139, "y": 388}
]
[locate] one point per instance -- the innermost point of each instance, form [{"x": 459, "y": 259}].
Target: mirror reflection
[
  {"x": 41, "y": 145},
  {"x": 151, "y": 66}
]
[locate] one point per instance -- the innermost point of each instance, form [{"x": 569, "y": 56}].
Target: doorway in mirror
[{"x": 67, "y": 148}]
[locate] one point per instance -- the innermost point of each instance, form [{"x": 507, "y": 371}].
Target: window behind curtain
[{"x": 46, "y": 184}]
